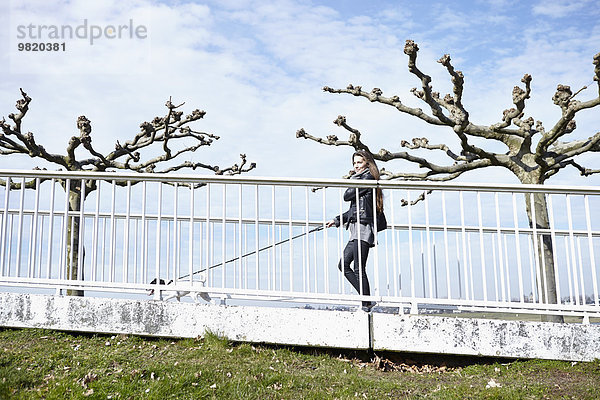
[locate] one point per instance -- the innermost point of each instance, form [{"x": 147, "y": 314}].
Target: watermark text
[{"x": 90, "y": 32}]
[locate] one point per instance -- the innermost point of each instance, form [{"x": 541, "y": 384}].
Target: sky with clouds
[{"x": 258, "y": 69}]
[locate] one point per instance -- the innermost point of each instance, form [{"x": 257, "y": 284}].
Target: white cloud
[
  {"x": 560, "y": 8},
  {"x": 258, "y": 68}
]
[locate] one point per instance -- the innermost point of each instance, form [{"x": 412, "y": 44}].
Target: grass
[{"x": 36, "y": 364}]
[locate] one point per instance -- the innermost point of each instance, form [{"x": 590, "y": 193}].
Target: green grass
[{"x": 58, "y": 365}]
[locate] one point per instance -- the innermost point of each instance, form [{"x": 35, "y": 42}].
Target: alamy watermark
[{"x": 49, "y": 34}]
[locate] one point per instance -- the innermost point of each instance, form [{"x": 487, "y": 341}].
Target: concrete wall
[
  {"x": 496, "y": 338},
  {"x": 172, "y": 319},
  {"x": 291, "y": 326}
]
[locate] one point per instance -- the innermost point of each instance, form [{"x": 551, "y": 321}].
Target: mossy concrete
[
  {"x": 486, "y": 337},
  {"x": 305, "y": 327},
  {"x": 290, "y": 326}
]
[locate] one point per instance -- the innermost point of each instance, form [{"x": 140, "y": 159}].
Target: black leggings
[{"x": 353, "y": 275}]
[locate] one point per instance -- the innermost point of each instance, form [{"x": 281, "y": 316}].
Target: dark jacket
[{"x": 365, "y": 203}]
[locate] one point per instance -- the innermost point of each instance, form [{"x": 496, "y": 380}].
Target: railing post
[
  {"x": 4, "y": 228},
  {"x": 414, "y": 308},
  {"x": 375, "y": 284},
  {"x": 20, "y": 229}
]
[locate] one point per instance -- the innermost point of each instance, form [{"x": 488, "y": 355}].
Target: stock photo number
[{"x": 41, "y": 46}]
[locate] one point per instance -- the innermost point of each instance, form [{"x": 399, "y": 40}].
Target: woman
[{"x": 362, "y": 234}]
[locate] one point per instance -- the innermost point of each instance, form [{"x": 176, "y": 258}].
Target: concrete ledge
[
  {"x": 484, "y": 337},
  {"x": 301, "y": 327},
  {"x": 289, "y": 326}
]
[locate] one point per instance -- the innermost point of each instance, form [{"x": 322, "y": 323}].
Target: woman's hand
[{"x": 329, "y": 224}]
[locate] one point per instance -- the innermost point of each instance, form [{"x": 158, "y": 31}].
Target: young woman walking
[{"x": 362, "y": 229}]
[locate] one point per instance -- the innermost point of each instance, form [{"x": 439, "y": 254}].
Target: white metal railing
[{"x": 463, "y": 246}]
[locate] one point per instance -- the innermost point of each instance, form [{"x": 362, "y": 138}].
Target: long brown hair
[{"x": 368, "y": 157}]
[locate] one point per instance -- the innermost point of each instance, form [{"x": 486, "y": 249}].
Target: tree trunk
[
  {"x": 73, "y": 254},
  {"x": 544, "y": 251}
]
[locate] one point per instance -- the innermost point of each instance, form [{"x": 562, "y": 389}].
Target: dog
[{"x": 178, "y": 294}]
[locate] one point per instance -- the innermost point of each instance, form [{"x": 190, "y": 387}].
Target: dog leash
[{"x": 253, "y": 252}]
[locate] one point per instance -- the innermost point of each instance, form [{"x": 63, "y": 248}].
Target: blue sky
[{"x": 258, "y": 67}]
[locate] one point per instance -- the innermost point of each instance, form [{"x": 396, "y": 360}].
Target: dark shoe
[{"x": 368, "y": 305}]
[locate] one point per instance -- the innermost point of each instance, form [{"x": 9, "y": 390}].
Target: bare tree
[
  {"x": 167, "y": 138},
  {"x": 533, "y": 154}
]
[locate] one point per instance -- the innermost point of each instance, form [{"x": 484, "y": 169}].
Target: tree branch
[
  {"x": 564, "y": 98},
  {"x": 376, "y": 95},
  {"x": 515, "y": 130},
  {"x": 411, "y": 49},
  {"x": 168, "y": 130}
]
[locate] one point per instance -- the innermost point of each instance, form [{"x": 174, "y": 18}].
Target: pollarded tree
[
  {"x": 167, "y": 138},
  {"x": 533, "y": 154}
]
